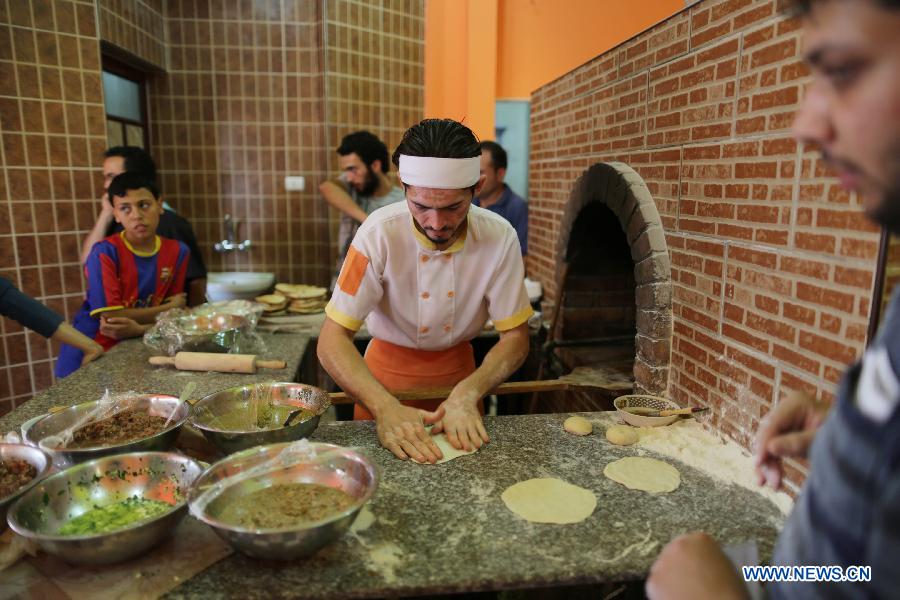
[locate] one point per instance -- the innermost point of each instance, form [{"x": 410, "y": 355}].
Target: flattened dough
[
  {"x": 549, "y": 500},
  {"x": 646, "y": 474},
  {"x": 446, "y": 449}
]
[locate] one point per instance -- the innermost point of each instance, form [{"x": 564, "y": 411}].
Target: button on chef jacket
[{"x": 411, "y": 294}]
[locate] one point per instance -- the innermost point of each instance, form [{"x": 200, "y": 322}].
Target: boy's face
[{"x": 138, "y": 213}]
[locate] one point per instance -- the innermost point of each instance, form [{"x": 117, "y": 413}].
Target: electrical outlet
[{"x": 295, "y": 183}]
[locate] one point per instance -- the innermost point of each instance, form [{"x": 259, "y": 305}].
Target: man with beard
[
  {"x": 848, "y": 513},
  {"x": 362, "y": 187},
  {"x": 425, "y": 275}
]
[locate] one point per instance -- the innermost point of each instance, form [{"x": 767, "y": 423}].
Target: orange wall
[
  {"x": 478, "y": 51},
  {"x": 540, "y": 40}
]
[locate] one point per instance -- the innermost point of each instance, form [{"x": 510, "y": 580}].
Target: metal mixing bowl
[
  {"x": 227, "y": 401},
  {"x": 156, "y": 404},
  {"x": 212, "y": 333},
  {"x": 35, "y": 457},
  {"x": 46, "y": 507},
  {"x": 346, "y": 470}
]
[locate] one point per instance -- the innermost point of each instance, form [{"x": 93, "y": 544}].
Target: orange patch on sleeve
[{"x": 352, "y": 271}]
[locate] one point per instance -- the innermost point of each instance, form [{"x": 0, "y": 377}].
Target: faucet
[{"x": 228, "y": 244}]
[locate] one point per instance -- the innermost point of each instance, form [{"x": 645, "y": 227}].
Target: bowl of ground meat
[
  {"x": 284, "y": 512},
  {"x": 21, "y": 467},
  {"x": 139, "y": 425}
]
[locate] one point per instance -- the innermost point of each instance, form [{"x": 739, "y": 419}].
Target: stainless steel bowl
[
  {"x": 346, "y": 470},
  {"x": 211, "y": 408},
  {"x": 212, "y": 333},
  {"x": 156, "y": 404},
  {"x": 35, "y": 457},
  {"x": 46, "y": 507}
]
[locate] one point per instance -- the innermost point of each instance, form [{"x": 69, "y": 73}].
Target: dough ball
[
  {"x": 621, "y": 435},
  {"x": 578, "y": 426}
]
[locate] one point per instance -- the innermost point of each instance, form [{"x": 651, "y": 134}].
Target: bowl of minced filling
[
  {"x": 139, "y": 423},
  {"x": 109, "y": 509},
  {"x": 268, "y": 507},
  {"x": 21, "y": 467}
]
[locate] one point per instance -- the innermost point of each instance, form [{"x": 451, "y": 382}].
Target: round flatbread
[
  {"x": 549, "y": 500},
  {"x": 645, "y": 474}
]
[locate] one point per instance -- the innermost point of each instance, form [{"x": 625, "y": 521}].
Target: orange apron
[{"x": 398, "y": 368}]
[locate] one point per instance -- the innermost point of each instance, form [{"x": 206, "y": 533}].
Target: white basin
[{"x": 233, "y": 285}]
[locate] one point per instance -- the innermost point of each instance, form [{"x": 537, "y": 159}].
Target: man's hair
[
  {"x": 802, "y": 7},
  {"x": 137, "y": 160},
  {"x": 498, "y": 154},
  {"x": 367, "y": 146},
  {"x": 121, "y": 184},
  {"x": 438, "y": 138}
]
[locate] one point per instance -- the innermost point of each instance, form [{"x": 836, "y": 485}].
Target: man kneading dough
[{"x": 425, "y": 275}]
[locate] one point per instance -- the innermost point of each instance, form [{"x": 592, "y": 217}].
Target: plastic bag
[
  {"x": 297, "y": 453},
  {"x": 108, "y": 406},
  {"x": 221, "y": 327}
]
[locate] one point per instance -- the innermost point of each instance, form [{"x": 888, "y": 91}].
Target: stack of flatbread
[
  {"x": 272, "y": 302},
  {"x": 303, "y": 299}
]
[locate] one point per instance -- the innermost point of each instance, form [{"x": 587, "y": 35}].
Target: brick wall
[{"x": 772, "y": 263}]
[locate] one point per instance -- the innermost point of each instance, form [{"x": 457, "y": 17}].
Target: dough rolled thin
[
  {"x": 645, "y": 474},
  {"x": 549, "y": 500}
]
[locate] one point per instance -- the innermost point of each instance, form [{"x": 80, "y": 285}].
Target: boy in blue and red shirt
[{"x": 131, "y": 276}]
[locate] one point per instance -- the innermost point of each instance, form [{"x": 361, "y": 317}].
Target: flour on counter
[
  {"x": 384, "y": 559},
  {"x": 689, "y": 442}
]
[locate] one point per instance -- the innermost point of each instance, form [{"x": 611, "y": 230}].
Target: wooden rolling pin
[{"x": 223, "y": 363}]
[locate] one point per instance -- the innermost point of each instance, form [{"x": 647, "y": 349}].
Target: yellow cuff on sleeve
[
  {"x": 97, "y": 311},
  {"x": 515, "y": 320},
  {"x": 342, "y": 319}
]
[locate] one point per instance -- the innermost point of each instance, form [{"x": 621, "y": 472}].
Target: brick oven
[
  {"x": 613, "y": 276},
  {"x": 752, "y": 270}
]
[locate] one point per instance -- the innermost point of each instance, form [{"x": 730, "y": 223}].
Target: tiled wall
[
  {"x": 135, "y": 26},
  {"x": 246, "y": 98},
  {"x": 52, "y": 124},
  {"x": 772, "y": 263}
]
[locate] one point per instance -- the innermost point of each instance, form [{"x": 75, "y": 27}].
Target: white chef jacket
[{"x": 413, "y": 295}]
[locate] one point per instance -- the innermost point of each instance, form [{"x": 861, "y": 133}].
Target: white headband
[{"x": 440, "y": 173}]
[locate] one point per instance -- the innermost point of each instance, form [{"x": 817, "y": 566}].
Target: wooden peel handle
[
  {"x": 671, "y": 412},
  {"x": 512, "y": 387}
]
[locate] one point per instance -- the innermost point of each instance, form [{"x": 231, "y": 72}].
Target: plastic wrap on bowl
[{"x": 207, "y": 328}]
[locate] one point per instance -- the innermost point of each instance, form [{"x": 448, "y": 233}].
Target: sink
[{"x": 237, "y": 284}]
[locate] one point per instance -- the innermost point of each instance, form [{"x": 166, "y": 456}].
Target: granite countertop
[
  {"x": 443, "y": 528},
  {"x": 125, "y": 368}
]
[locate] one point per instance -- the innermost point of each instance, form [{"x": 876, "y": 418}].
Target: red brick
[
  {"x": 802, "y": 266},
  {"x": 741, "y": 335},
  {"x": 800, "y": 314},
  {"x": 830, "y": 323},
  {"x": 734, "y": 313},
  {"x": 801, "y": 361},
  {"x": 858, "y": 248},
  {"x": 825, "y": 297},
  {"x": 755, "y": 170},
  {"x": 773, "y": 327},
  {"x": 756, "y": 257},
  {"x": 827, "y": 347},
  {"x": 819, "y": 242},
  {"x": 763, "y": 368},
  {"x": 767, "y": 304},
  {"x": 860, "y": 278},
  {"x": 774, "y": 53}
]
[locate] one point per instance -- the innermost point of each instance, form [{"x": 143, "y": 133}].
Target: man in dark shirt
[
  {"x": 497, "y": 197},
  {"x": 121, "y": 159}
]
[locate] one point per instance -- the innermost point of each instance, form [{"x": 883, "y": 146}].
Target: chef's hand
[
  {"x": 693, "y": 566},
  {"x": 462, "y": 422},
  {"x": 401, "y": 429},
  {"x": 787, "y": 431},
  {"x": 120, "y": 328}
]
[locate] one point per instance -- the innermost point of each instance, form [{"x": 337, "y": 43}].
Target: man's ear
[
  {"x": 501, "y": 173},
  {"x": 376, "y": 165},
  {"x": 479, "y": 185}
]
